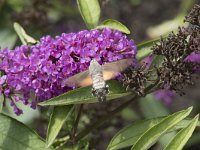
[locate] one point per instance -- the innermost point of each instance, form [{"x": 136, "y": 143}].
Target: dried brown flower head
[
  {"x": 135, "y": 79},
  {"x": 176, "y": 72},
  {"x": 193, "y": 17}
]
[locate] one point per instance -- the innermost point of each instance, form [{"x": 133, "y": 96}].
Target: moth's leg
[
  {"x": 93, "y": 92},
  {"x": 107, "y": 89},
  {"x": 102, "y": 98}
]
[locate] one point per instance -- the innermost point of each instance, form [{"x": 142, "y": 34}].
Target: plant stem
[
  {"x": 64, "y": 141},
  {"x": 96, "y": 124},
  {"x": 103, "y": 119},
  {"x": 76, "y": 123}
]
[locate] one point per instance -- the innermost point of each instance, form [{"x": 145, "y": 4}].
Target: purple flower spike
[{"x": 37, "y": 71}]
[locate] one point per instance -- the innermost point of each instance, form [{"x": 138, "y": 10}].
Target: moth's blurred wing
[
  {"x": 81, "y": 79},
  {"x": 111, "y": 70},
  {"x": 107, "y": 75}
]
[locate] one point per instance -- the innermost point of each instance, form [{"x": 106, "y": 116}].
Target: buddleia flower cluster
[{"x": 32, "y": 74}]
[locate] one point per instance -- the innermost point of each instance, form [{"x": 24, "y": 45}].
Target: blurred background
[{"x": 146, "y": 19}]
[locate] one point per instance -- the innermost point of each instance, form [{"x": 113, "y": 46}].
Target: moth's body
[
  {"x": 99, "y": 87},
  {"x": 96, "y": 76}
]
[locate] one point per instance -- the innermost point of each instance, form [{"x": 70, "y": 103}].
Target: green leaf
[
  {"x": 114, "y": 24},
  {"x": 58, "y": 117},
  {"x": 15, "y": 135},
  {"x": 82, "y": 145},
  {"x": 166, "y": 27},
  {"x": 127, "y": 136},
  {"x": 7, "y": 39},
  {"x": 144, "y": 49},
  {"x": 183, "y": 136},
  {"x": 84, "y": 95},
  {"x": 124, "y": 139},
  {"x": 193, "y": 140},
  {"x": 24, "y": 37},
  {"x": 129, "y": 114},
  {"x": 152, "y": 108},
  {"x": 152, "y": 135},
  {"x": 165, "y": 139},
  {"x": 90, "y": 12}
]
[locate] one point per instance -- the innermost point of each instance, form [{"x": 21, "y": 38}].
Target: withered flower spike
[
  {"x": 177, "y": 69},
  {"x": 135, "y": 79},
  {"x": 194, "y": 16}
]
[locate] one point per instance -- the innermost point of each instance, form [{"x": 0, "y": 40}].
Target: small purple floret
[{"x": 195, "y": 58}]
